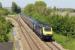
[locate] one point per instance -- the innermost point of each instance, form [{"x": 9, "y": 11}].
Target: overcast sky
[{"x": 51, "y": 3}]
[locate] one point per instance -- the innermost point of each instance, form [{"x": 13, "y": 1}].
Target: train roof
[{"x": 35, "y": 21}]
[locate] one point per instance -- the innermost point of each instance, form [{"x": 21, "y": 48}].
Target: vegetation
[
  {"x": 5, "y": 26},
  {"x": 63, "y": 25},
  {"x": 40, "y": 12},
  {"x": 15, "y": 8},
  {"x": 0, "y": 5},
  {"x": 68, "y": 43},
  {"x": 3, "y": 11},
  {"x": 66, "y": 9}
]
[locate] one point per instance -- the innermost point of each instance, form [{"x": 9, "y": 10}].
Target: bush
[{"x": 5, "y": 28}]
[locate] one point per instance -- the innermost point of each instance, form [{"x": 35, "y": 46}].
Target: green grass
[{"x": 67, "y": 43}]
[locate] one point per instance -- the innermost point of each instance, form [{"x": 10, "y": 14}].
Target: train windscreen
[{"x": 47, "y": 28}]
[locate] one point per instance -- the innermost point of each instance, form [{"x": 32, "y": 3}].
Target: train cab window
[{"x": 47, "y": 29}]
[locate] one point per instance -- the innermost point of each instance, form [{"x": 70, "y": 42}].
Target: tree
[
  {"x": 0, "y": 5},
  {"x": 15, "y": 8},
  {"x": 40, "y": 3},
  {"x": 29, "y": 9},
  {"x": 39, "y": 7},
  {"x": 18, "y": 9}
]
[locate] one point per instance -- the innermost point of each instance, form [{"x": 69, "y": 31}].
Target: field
[{"x": 67, "y": 43}]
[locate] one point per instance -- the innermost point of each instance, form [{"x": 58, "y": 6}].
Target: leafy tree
[
  {"x": 39, "y": 7},
  {"x": 40, "y": 3},
  {"x": 29, "y": 9},
  {"x": 15, "y": 8},
  {"x": 0, "y": 5},
  {"x": 18, "y": 10}
]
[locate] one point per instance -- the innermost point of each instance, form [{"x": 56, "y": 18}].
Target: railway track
[
  {"x": 32, "y": 39},
  {"x": 31, "y": 43},
  {"x": 52, "y": 46}
]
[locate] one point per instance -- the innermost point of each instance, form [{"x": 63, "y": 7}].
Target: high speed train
[{"x": 44, "y": 31}]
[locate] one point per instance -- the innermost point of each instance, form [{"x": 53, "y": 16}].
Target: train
[{"x": 44, "y": 31}]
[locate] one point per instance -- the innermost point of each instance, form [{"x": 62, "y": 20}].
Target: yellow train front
[
  {"x": 43, "y": 31},
  {"x": 47, "y": 33}
]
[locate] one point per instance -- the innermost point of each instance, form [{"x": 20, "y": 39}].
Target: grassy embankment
[{"x": 68, "y": 43}]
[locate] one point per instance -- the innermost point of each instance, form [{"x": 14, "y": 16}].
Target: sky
[{"x": 50, "y": 3}]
